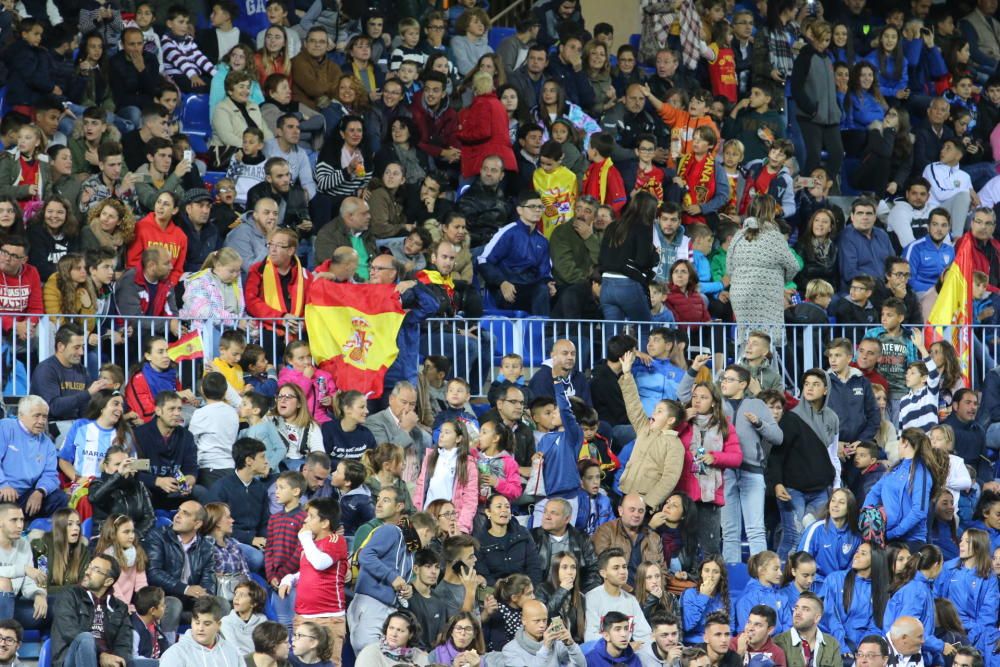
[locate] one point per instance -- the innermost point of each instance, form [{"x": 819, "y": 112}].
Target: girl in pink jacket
[
  {"x": 710, "y": 446},
  {"x": 119, "y": 541},
  {"x": 318, "y": 385},
  {"x": 449, "y": 472},
  {"x": 498, "y": 471}
]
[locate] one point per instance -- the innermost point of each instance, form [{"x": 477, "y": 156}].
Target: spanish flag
[
  {"x": 187, "y": 348},
  {"x": 951, "y": 316},
  {"x": 352, "y": 332}
]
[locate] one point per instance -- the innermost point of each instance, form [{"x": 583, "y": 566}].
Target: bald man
[
  {"x": 563, "y": 367},
  {"x": 539, "y": 642},
  {"x": 341, "y": 267},
  {"x": 628, "y": 529},
  {"x": 249, "y": 239},
  {"x": 906, "y": 641},
  {"x": 349, "y": 229}
]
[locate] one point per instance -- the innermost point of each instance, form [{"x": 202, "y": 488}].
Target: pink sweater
[
  {"x": 464, "y": 498},
  {"x": 312, "y": 390},
  {"x": 128, "y": 583},
  {"x": 730, "y": 456}
]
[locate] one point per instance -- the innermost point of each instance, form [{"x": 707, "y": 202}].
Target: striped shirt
[
  {"x": 182, "y": 57},
  {"x": 85, "y": 446},
  {"x": 281, "y": 556},
  {"x": 919, "y": 408}
]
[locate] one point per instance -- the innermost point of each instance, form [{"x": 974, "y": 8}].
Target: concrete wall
[{"x": 622, "y": 14}]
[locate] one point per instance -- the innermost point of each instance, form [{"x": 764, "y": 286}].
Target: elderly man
[
  {"x": 575, "y": 247},
  {"x": 284, "y": 302},
  {"x": 906, "y": 642},
  {"x": 561, "y": 365},
  {"x": 629, "y": 120},
  {"x": 249, "y": 239},
  {"x": 342, "y": 267},
  {"x": 556, "y": 535},
  {"x": 630, "y": 531},
  {"x": 484, "y": 203},
  {"x": 61, "y": 380},
  {"x": 28, "y": 467},
  {"x": 293, "y": 202},
  {"x": 349, "y": 229},
  {"x": 985, "y": 248},
  {"x": 397, "y": 424}
]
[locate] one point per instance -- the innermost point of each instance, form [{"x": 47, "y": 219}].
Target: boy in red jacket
[
  {"x": 603, "y": 181},
  {"x": 322, "y": 573}
]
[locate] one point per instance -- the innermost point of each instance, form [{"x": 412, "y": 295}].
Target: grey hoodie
[
  {"x": 825, "y": 424},
  {"x": 523, "y": 651},
  {"x": 755, "y": 441},
  {"x": 189, "y": 653}
]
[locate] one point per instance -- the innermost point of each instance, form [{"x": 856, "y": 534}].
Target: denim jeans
[
  {"x": 744, "y": 506},
  {"x": 792, "y": 513},
  {"x": 254, "y": 556},
  {"x": 82, "y": 652},
  {"x": 284, "y": 608},
  {"x": 624, "y": 299},
  {"x": 21, "y": 610}
]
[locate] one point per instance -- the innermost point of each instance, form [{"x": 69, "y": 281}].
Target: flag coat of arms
[
  {"x": 352, "y": 332},
  {"x": 187, "y": 348}
]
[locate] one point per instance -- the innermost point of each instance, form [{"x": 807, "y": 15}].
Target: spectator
[
  {"x": 239, "y": 58},
  {"x": 482, "y": 129},
  {"x": 436, "y": 121},
  {"x": 276, "y": 287},
  {"x": 483, "y": 203},
  {"x": 218, "y": 40},
  {"x": 11, "y": 634},
  {"x": 555, "y": 530},
  {"x": 469, "y": 42},
  {"x": 985, "y": 247},
  {"x": 817, "y": 112},
  {"x": 134, "y": 146},
  {"x": 28, "y": 461},
  {"x": 28, "y": 65},
  {"x": 561, "y": 367},
  {"x": 117, "y": 491},
  {"x": 292, "y": 199},
  {"x": 350, "y": 230},
  {"x": 173, "y": 464},
  {"x": 148, "y": 292},
  {"x": 155, "y": 176},
  {"x": 61, "y": 380},
  {"x": 970, "y": 436},
  {"x": 951, "y": 187},
  {"x": 183, "y": 61},
  {"x": 240, "y": 624},
  {"x": 26, "y": 601},
  {"x": 206, "y": 642},
  {"x": 247, "y": 498},
  {"x": 52, "y": 233},
  {"x": 910, "y": 214},
  {"x": 527, "y": 79},
  {"x": 235, "y": 114},
  {"x": 895, "y": 284},
  {"x": 627, "y": 261},
  {"x": 863, "y": 247},
  {"x": 250, "y": 237},
  {"x": 535, "y": 636},
  {"x": 88, "y": 439},
  {"x": 629, "y": 532},
  {"x": 314, "y": 75},
  {"x": 850, "y": 395},
  {"x": 930, "y": 256},
  {"x": 611, "y": 597},
  {"x": 805, "y": 638},
  {"x": 80, "y": 631},
  {"x": 286, "y": 145}
]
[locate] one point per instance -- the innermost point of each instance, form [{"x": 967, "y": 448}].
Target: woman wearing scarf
[
  {"x": 278, "y": 102},
  {"x": 399, "y": 633},
  {"x": 235, "y": 113},
  {"x": 701, "y": 178},
  {"x": 157, "y": 373},
  {"x": 111, "y": 225},
  {"x": 710, "y": 446},
  {"x": 462, "y": 634}
]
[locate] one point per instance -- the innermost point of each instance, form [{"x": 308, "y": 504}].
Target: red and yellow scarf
[
  {"x": 273, "y": 296},
  {"x": 700, "y": 178}
]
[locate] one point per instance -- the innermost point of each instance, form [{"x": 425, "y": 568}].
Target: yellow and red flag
[
  {"x": 352, "y": 332},
  {"x": 187, "y": 348},
  {"x": 951, "y": 317}
]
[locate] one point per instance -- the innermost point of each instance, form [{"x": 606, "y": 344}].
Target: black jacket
[
  {"x": 575, "y": 84},
  {"x": 914, "y": 315},
  {"x": 514, "y": 553},
  {"x": 295, "y": 203},
  {"x": 30, "y": 74},
  {"x": 208, "y": 41},
  {"x": 114, "y": 494},
  {"x": 801, "y": 462},
  {"x": 134, "y": 88},
  {"x": 248, "y": 504},
  {"x": 486, "y": 210},
  {"x": 607, "y": 394},
  {"x": 580, "y": 546},
  {"x": 166, "y": 562},
  {"x": 145, "y": 637},
  {"x": 927, "y": 146},
  {"x": 558, "y": 601},
  {"x": 74, "y": 613},
  {"x": 201, "y": 243}
]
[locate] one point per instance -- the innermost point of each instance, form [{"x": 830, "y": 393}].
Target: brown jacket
[
  {"x": 612, "y": 534},
  {"x": 463, "y": 261},
  {"x": 657, "y": 458},
  {"x": 312, "y": 80}
]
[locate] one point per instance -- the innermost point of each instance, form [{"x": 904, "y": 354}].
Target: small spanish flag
[
  {"x": 352, "y": 332},
  {"x": 187, "y": 348}
]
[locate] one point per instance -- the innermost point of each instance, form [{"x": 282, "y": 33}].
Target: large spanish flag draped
[
  {"x": 352, "y": 332},
  {"x": 951, "y": 316}
]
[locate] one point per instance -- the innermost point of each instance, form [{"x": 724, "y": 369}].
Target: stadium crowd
[{"x": 661, "y": 508}]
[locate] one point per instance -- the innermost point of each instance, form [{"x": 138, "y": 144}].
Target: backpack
[
  {"x": 355, "y": 557},
  {"x": 871, "y": 523}
]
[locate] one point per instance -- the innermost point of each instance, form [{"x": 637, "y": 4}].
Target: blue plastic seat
[
  {"x": 535, "y": 346},
  {"x": 87, "y": 527},
  {"x": 44, "y": 525},
  {"x": 213, "y": 177},
  {"x": 738, "y": 578},
  {"x": 3, "y": 101},
  {"x": 504, "y": 333},
  {"x": 497, "y": 35},
  {"x": 634, "y": 40},
  {"x": 45, "y": 655},
  {"x": 164, "y": 521},
  {"x": 269, "y": 610},
  {"x": 196, "y": 121}
]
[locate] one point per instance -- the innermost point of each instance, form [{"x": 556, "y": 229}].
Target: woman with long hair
[
  {"x": 118, "y": 540},
  {"x": 400, "y": 146},
  {"x": 856, "y": 598},
  {"x": 62, "y": 553},
  {"x": 798, "y": 577},
  {"x": 710, "y": 447},
  {"x": 888, "y": 159},
  {"x": 157, "y": 226},
  {"x": 505, "y": 547},
  {"x": 296, "y": 427},
  {"x": 89, "y": 439},
  {"x": 942, "y": 526},
  {"x": 443, "y": 512},
  {"x": 386, "y": 200},
  {"x": 52, "y": 232},
  {"x": 517, "y": 111},
  {"x": 947, "y": 625},
  {"x": 455, "y": 479},
  {"x": 118, "y": 490},
  {"x": 627, "y": 260},
  {"x": 348, "y": 437},
  {"x": 863, "y": 105},
  {"x": 562, "y": 595},
  {"x": 156, "y": 373},
  {"x": 597, "y": 68},
  {"x": 680, "y": 551},
  {"x": 111, "y": 225},
  {"x": 272, "y": 58},
  {"x": 482, "y": 128},
  {"x": 63, "y": 180},
  {"x": 897, "y": 555},
  {"x": 385, "y": 466},
  {"x": 344, "y": 166},
  {"x": 231, "y": 566},
  {"x": 842, "y": 44},
  {"x": 969, "y": 582},
  {"x": 946, "y": 359},
  {"x": 240, "y": 58},
  {"x": 461, "y": 635},
  {"x": 913, "y": 595},
  {"x": 511, "y": 593},
  {"x": 958, "y": 479},
  {"x": 684, "y": 298},
  {"x": 66, "y": 291},
  {"x": 490, "y": 64},
  {"x": 710, "y": 595},
  {"x": 552, "y": 104},
  {"x": 760, "y": 264},
  {"x": 986, "y": 516},
  {"x": 651, "y": 590},
  {"x": 818, "y": 249},
  {"x": 905, "y": 491},
  {"x": 311, "y": 646},
  {"x": 838, "y": 528},
  {"x": 397, "y": 645},
  {"x": 888, "y": 60},
  {"x": 11, "y": 215}
]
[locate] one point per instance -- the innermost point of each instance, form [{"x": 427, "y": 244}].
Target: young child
[
  {"x": 115, "y": 378},
  {"x": 732, "y": 158},
  {"x": 866, "y": 471},
  {"x": 812, "y": 310},
  {"x": 654, "y": 467},
  {"x": 771, "y": 176},
  {"x": 384, "y": 465},
  {"x": 754, "y": 123},
  {"x": 702, "y": 241},
  {"x": 648, "y": 177},
  {"x": 595, "y": 446},
  {"x": 435, "y": 370},
  {"x": 355, "y": 498},
  {"x": 898, "y": 350},
  {"x": 764, "y": 569},
  {"x": 183, "y": 61},
  {"x": 603, "y": 181},
  {"x": 168, "y": 96},
  {"x": 232, "y": 342},
  {"x": 246, "y": 167},
  {"x": 258, "y": 372},
  {"x": 322, "y": 571},
  {"x": 409, "y": 76},
  {"x": 556, "y": 448},
  {"x": 592, "y": 499},
  {"x": 225, "y": 214},
  {"x": 247, "y": 613},
  {"x": 564, "y": 134},
  {"x": 856, "y": 307},
  {"x": 214, "y": 427},
  {"x": 148, "y": 640},
  {"x": 722, "y": 66},
  {"x": 282, "y": 549},
  {"x": 919, "y": 407},
  {"x": 253, "y": 408},
  {"x": 318, "y": 385},
  {"x": 717, "y": 259},
  {"x": 684, "y": 123},
  {"x": 557, "y": 185},
  {"x": 409, "y": 45},
  {"x": 657, "y": 296},
  {"x": 511, "y": 374},
  {"x": 143, "y": 20},
  {"x": 449, "y": 471},
  {"x": 456, "y": 407}
]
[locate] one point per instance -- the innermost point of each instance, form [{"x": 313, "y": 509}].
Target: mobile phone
[
  {"x": 140, "y": 465},
  {"x": 556, "y": 624},
  {"x": 484, "y": 592},
  {"x": 189, "y": 155},
  {"x": 459, "y": 568}
]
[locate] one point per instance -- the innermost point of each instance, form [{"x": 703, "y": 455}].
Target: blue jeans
[
  {"x": 82, "y": 652},
  {"x": 980, "y": 172},
  {"x": 254, "y": 556},
  {"x": 744, "y": 506},
  {"x": 624, "y": 299},
  {"x": 284, "y": 608},
  {"x": 21, "y": 610},
  {"x": 792, "y": 512}
]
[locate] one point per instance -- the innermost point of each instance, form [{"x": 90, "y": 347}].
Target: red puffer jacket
[
  {"x": 686, "y": 306},
  {"x": 482, "y": 129}
]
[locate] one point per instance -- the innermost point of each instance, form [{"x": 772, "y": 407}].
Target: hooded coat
[{"x": 189, "y": 653}]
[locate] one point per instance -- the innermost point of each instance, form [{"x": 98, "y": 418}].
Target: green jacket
[
  {"x": 572, "y": 257},
  {"x": 146, "y": 192},
  {"x": 717, "y": 262},
  {"x": 828, "y": 656}
]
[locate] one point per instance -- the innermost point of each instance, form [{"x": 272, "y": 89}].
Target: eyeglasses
[
  {"x": 285, "y": 397},
  {"x": 435, "y": 26},
  {"x": 299, "y": 635},
  {"x": 223, "y": 191},
  {"x": 729, "y": 378},
  {"x": 859, "y": 288},
  {"x": 451, "y": 514},
  {"x": 16, "y": 258},
  {"x": 900, "y": 274},
  {"x": 464, "y": 629},
  {"x": 8, "y": 640},
  {"x": 513, "y": 400},
  {"x": 94, "y": 568},
  {"x": 869, "y": 656},
  {"x": 279, "y": 246},
  {"x": 987, "y": 223}
]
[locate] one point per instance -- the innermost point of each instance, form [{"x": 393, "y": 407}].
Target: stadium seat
[
  {"x": 87, "y": 527},
  {"x": 45, "y": 655},
  {"x": 269, "y": 611},
  {"x": 164, "y": 521},
  {"x": 738, "y": 578},
  {"x": 506, "y": 339},
  {"x": 3, "y": 101},
  {"x": 196, "y": 121},
  {"x": 44, "y": 525},
  {"x": 213, "y": 177},
  {"x": 497, "y": 35},
  {"x": 634, "y": 40},
  {"x": 535, "y": 344}
]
